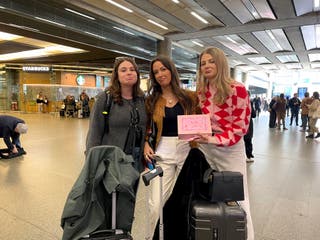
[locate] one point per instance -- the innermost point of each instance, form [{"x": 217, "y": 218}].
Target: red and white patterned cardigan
[{"x": 229, "y": 121}]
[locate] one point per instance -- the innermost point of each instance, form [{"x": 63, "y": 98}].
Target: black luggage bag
[{"x": 217, "y": 221}]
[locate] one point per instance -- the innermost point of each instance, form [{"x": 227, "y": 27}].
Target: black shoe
[
  {"x": 318, "y": 135},
  {"x": 309, "y": 136},
  {"x": 22, "y": 151},
  {"x": 251, "y": 156}
]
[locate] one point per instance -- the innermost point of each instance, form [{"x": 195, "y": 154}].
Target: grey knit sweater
[{"x": 119, "y": 120}]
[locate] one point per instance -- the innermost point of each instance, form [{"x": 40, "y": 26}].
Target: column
[{"x": 164, "y": 47}]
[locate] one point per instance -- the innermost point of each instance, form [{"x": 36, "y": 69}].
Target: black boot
[
  {"x": 318, "y": 135},
  {"x": 310, "y": 136}
]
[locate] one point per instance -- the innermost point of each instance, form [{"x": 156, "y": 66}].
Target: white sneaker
[{"x": 249, "y": 160}]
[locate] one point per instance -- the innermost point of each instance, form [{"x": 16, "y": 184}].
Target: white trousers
[
  {"x": 173, "y": 153},
  {"x": 231, "y": 158}
]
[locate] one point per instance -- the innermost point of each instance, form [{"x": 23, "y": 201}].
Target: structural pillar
[
  {"x": 244, "y": 78},
  {"x": 164, "y": 47}
]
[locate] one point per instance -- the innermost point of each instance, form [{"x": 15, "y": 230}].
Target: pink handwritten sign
[{"x": 191, "y": 125}]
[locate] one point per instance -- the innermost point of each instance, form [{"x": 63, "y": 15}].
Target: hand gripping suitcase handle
[{"x": 147, "y": 177}]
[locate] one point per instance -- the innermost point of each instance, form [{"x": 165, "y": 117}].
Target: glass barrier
[{"x": 55, "y": 94}]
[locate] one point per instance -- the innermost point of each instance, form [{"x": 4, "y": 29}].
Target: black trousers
[{"x": 248, "y": 145}]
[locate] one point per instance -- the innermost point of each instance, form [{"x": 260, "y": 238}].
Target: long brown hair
[
  {"x": 222, "y": 81},
  {"x": 115, "y": 86},
  {"x": 155, "y": 91}
]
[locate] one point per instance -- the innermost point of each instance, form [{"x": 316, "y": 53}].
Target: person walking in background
[
  {"x": 113, "y": 126},
  {"x": 287, "y": 106},
  {"x": 280, "y": 108},
  {"x": 257, "y": 105},
  {"x": 166, "y": 100},
  {"x": 228, "y": 105},
  {"x": 294, "y": 104},
  {"x": 249, "y": 135},
  {"x": 314, "y": 114},
  {"x": 307, "y": 100},
  {"x": 45, "y": 104},
  {"x": 272, "y": 111},
  {"x": 39, "y": 101}
]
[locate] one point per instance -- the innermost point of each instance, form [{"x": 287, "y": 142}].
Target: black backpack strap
[{"x": 106, "y": 111}]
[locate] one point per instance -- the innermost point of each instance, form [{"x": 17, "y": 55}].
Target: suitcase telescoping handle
[{"x": 147, "y": 177}]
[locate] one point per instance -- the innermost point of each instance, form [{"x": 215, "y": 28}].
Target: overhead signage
[{"x": 36, "y": 68}]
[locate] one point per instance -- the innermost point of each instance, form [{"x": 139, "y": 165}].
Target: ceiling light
[
  {"x": 259, "y": 60},
  {"x": 293, "y": 65},
  {"x": 311, "y": 36},
  {"x": 314, "y": 57},
  {"x": 199, "y": 17},
  {"x": 8, "y": 36},
  {"x": 62, "y": 48},
  {"x": 196, "y": 43},
  {"x": 288, "y": 58},
  {"x": 230, "y": 39},
  {"x": 236, "y": 44},
  {"x": 251, "y": 8},
  {"x": 24, "y": 27},
  {"x": 175, "y": 1},
  {"x": 315, "y": 65},
  {"x": 119, "y": 6},
  {"x": 43, "y": 52},
  {"x": 95, "y": 35},
  {"x": 275, "y": 40},
  {"x": 316, "y": 3},
  {"x": 157, "y": 24},
  {"x": 80, "y": 14},
  {"x": 2, "y": 7},
  {"x": 123, "y": 30},
  {"x": 49, "y": 21}
]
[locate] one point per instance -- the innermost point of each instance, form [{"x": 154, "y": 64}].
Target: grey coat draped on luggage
[{"x": 107, "y": 169}]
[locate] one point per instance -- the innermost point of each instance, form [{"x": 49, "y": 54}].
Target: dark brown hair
[
  {"x": 115, "y": 86},
  {"x": 155, "y": 91}
]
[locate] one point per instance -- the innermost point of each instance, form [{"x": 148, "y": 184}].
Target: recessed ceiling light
[
  {"x": 316, "y": 3},
  {"x": 199, "y": 17},
  {"x": 123, "y": 30},
  {"x": 157, "y": 24},
  {"x": 197, "y": 43},
  {"x": 119, "y": 5},
  {"x": 24, "y": 27},
  {"x": 8, "y": 36},
  {"x": 49, "y": 21},
  {"x": 95, "y": 35},
  {"x": 175, "y": 1},
  {"x": 80, "y": 14}
]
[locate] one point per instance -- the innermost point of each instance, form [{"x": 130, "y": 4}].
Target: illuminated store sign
[
  {"x": 80, "y": 80},
  {"x": 35, "y": 68}
]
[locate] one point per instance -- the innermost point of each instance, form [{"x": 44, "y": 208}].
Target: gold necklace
[{"x": 170, "y": 101}]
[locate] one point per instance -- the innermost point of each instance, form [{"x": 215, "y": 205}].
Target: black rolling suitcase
[
  {"x": 111, "y": 234},
  {"x": 217, "y": 221}
]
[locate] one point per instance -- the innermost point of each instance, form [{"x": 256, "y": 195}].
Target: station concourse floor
[{"x": 284, "y": 180}]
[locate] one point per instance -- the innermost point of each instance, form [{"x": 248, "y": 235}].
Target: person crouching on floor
[{"x": 10, "y": 130}]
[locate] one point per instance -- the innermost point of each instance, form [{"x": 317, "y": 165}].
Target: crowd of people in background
[
  {"x": 308, "y": 108},
  {"x": 77, "y": 108}
]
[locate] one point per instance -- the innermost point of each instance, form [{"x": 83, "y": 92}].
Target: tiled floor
[{"x": 284, "y": 180}]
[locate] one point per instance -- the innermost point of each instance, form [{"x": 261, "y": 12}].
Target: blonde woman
[{"x": 227, "y": 102}]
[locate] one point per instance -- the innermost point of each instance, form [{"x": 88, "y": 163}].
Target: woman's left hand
[{"x": 202, "y": 138}]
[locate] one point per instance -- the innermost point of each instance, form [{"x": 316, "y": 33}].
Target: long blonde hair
[{"x": 222, "y": 81}]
